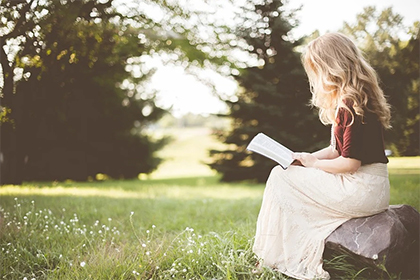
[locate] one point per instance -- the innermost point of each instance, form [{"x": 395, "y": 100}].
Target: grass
[
  {"x": 159, "y": 228},
  {"x": 187, "y": 233}
]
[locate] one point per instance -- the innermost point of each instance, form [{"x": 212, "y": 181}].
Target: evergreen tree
[
  {"x": 273, "y": 98},
  {"x": 68, "y": 117}
]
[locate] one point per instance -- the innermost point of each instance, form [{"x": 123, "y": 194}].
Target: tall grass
[{"x": 170, "y": 231}]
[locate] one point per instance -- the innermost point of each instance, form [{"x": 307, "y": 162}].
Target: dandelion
[
  {"x": 82, "y": 264},
  {"x": 153, "y": 226},
  {"x": 132, "y": 213},
  {"x": 143, "y": 245},
  {"x": 147, "y": 231},
  {"x": 109, "y": 219}
]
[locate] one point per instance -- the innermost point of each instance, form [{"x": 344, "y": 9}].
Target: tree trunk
[{"x": 10, "y": 159}]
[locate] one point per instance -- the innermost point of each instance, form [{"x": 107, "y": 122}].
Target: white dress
[{"x": 302, "y": 206}]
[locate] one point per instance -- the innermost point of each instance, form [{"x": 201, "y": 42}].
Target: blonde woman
[{"x": 304, "y": 204}]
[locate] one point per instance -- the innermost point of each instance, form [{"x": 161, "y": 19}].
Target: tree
[
  {"x": 397, "y": 64},
  {"x": 273, "y": 97},
  {"x": 84, "y": 121},
  {"x": 70, "y": 107}
]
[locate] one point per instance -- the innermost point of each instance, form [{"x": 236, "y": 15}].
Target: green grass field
[{"x": 180, "y": 223}]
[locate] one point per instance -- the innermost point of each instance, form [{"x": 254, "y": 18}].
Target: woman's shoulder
[{"x": 346, "y": 115}]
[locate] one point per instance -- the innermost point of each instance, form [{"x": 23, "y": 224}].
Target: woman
[{"x": 304, "y": 204}]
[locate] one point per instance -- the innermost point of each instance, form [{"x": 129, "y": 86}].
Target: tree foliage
[
  {"x": 396, "y": 61},
  {"x": 273, "y": 97},
  {"x": 73, "y": 102}
]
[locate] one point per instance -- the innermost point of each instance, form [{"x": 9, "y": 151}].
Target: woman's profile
[{"x": 302, "y": 205}]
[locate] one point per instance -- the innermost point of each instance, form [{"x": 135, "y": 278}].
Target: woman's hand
[
  {"x": 336, "y": 165},
  {"x": 306, "y": 159}
]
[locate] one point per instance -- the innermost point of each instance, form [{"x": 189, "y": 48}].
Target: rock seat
[{"x": 388, "y": 241}]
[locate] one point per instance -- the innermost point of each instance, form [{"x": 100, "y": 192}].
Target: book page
[{"x": 271, "y": 149}]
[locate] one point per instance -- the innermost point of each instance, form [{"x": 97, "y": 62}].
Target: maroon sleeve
[{"x": 352, "y": 135}]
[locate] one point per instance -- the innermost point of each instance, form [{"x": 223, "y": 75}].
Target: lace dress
[{"x": 302, "y": 206}]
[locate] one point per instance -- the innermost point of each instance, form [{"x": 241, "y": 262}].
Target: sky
[{"x": 185, "y": 94}]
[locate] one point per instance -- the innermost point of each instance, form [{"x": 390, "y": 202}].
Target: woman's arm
[
  {"x": 326, "y": 153},
  {"x": 337, "y": 165}
]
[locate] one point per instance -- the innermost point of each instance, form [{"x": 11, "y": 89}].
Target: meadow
[{"x": 178, "y": 223}]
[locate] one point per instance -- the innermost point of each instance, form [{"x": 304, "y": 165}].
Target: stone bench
[{"x": 386, "y": 242}]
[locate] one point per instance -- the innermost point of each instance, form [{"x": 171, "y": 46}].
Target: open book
[{"x": 268, "y": 147}]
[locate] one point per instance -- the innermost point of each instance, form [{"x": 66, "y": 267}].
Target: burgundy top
[{"x": 362, "y": 141}]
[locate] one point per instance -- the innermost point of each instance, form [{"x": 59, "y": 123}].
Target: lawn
[{"x": 163, "y": 227}]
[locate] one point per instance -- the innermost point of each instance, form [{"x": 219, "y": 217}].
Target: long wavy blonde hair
[{"x": 338, "y": 74}]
